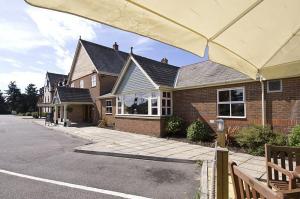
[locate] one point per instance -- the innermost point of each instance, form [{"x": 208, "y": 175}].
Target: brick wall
[
  {"x": 147, "y": 126},
  {"x": 77, "y": 113},
  {"x": 104, "y": 85},
  {"x": 282, "y": 109},
  {"x": 109, "y": 117}
]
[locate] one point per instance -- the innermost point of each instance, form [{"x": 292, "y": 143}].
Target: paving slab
[{"x": 130, "y": 145}]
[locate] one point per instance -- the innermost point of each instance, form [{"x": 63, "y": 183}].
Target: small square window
[
  {"x": 108, "y": 106},
  {"x": 154, "y": 111},
  {"x": 274, "y": 86}
]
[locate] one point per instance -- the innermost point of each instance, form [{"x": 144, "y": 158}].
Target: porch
[{"x": 73, "y": 105}]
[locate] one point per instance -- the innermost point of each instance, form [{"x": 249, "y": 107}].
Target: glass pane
[
  {"x": 237, "y": 95},
  {"x": 136, "y": 104},
  {"x": 154, "y": 102},
  {"x": 168, "y": 111},
  {"x": 164, "y": 94},
  {"x": 154, "y": 94},
  {"x": 163, "y": 102},
  {"x": 168, "y": 95},
  {"x": 119, "y": 104},
  {"x": 168, "y": 103},
  {"x": 119, "y": 110},
  {"x": 163, "y": 111},
  {"x": 108, "y": 103},
  {"x": 237, "y": 109},
  {"x": 108, "y": 110},
  {"x": 224, "y": 109},
  {"x": 154, "y": 111},
  {"x": 223, "y": 96},
  {"x": 274, "y": 85}
]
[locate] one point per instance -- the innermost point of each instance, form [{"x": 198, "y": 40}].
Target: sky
[{"x": 34, "y": 41}]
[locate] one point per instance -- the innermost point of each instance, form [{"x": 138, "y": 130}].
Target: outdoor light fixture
[{"x": 220, "y": 125}]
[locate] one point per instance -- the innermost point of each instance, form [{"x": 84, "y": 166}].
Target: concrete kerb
[{"x": 134, "y": 156}]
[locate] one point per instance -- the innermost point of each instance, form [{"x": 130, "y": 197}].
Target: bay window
[
  {"x": 144, "y": 103},
  {"x": 231, "y": 103}
]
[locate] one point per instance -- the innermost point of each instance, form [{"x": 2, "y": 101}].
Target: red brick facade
[
  {"x": 104, "y": 84},
  {"x": 282, "y": 108},
  {"x": 153, "y": 126}
]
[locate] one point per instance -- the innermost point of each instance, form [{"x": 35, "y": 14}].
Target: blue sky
[{"x": 34, "y": 40}]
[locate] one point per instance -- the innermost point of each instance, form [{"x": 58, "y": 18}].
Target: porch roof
[{"x": 73, "y": 95}]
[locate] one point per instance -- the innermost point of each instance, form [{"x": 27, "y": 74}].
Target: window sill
[
  {"x": 108, "y": 113},
  {"x": 231, "y": 117},
  {"x": 149, "y": 117}
]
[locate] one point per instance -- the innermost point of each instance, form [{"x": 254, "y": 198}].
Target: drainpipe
[{"x": 263, "y": 109}]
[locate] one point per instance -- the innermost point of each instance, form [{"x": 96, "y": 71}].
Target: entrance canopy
[
  {"x": 256, "y": 37},
  {"x": 67, "y": 95}
]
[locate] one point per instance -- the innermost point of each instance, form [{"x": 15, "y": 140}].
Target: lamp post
[{"x": 220, "y": 133}]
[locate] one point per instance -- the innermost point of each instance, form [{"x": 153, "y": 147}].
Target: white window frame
[
  {"x": 232, "y": 102},
  {"x": 94, "y": 80},
  {"x": 166, "y": 107},
  {"x": 111, "y": 106},
  {"x": 159, "y": 104},
  {"x": 81, "y": 83},
  {"x": 276, "y": 91}
]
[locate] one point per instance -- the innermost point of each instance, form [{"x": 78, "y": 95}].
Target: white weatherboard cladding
[
  {"x": 134, "y": 80},
  {"x": 83, "y": 66}
]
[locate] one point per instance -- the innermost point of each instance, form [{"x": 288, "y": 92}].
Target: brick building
[{"x": 136, "y": 94}]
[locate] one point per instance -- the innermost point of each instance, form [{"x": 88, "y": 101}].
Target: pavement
[
  {"x": 38, "y": 162},
  {"x": 130, "y": 145}
]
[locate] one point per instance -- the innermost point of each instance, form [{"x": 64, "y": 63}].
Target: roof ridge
[
  {"x": 155, "y": 61},
  {"x": 56, "y": 73}
]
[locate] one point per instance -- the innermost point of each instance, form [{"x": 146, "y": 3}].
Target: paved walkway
[{"x": 118, "y": 143}]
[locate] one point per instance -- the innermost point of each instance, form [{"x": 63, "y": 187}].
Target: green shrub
[
  {"x": 294, "y": 137},
  {"x": 43, "y": 114},
  {"x": 199, "y": 131},
  {"x": 20, "y": 114},
  {"x": 174, "y": 124},
  {"x": 35, "y": 114},
  {"x": 254, "y": 138}
]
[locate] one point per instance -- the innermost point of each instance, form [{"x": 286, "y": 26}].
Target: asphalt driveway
[{"x": 28, "y": 149}]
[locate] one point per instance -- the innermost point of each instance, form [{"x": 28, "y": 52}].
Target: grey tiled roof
[
  {"x": 67, "y": 94},
  {"x": 207, "y": 73},
  {"x": 54, "y": 78},
  {"x": 104, "y": 58},
  {"x": 161, "y": 73}
]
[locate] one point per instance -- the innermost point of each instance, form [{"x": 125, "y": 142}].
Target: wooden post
[
  {"x": 65, "y": 114},
  {"x": 221, "y": 139},
  {"x": 222, "y": 174}
]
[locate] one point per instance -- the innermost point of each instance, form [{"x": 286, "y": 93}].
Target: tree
[
  {"x": 3, "y": 104},
  {"x": 31, "y": 97},
  {"x": 13, "y": 96}
]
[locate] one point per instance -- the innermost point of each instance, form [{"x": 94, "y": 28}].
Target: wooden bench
[
  {"x": 283, "y": 167},
  {"x": 247, "y": 187}
]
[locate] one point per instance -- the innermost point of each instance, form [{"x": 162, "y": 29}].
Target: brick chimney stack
[
  {"x": 164, "y": 60},
  {"x": 116, "y": 46}
]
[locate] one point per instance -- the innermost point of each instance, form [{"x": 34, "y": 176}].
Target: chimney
[
  {"x": 164, "y": 60},
  {"x": 116, "y": 46}
]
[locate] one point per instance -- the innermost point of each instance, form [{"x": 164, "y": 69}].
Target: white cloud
[
  {"x": 12, "y": 62},
  {"x": 20, "y": 37},
  {"x": 142, "y": 45},
  {"x": 22, "y": 79},
  {"x": 60, "y": 29}
]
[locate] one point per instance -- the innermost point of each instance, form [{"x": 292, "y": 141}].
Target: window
[
  {"x": 154, "y": 103},
  {"x": 231, "y": 103},
  {"x": 166, "y": 104},
  {"x": 144, "y": 103},
  {"x": 108, "y": 106},
  {"x": 72, "y": 85},
  {"x": 274, "y": 86},
  {"x": 136, "y": 103},
  {"x": 94, "y": 80},
  {"x": 81, "y": 84}
]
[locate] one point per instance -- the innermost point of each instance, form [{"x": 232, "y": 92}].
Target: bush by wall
[
  {"x": 35, "y": 114},
  {"x": 294, "y": 137},
  {"x": 199, "y": 131},
  {"x": 254, "y": 138},
  {"x": 28, "y": 114},
  {"x": 174, "y": 124}
]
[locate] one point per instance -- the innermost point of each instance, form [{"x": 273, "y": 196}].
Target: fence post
[{"x": 222, "y": 174}]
